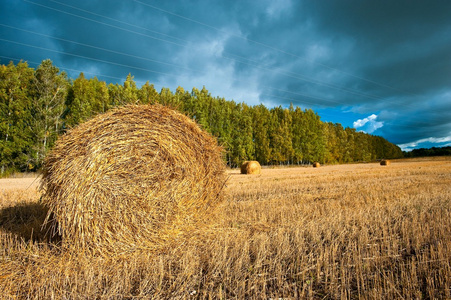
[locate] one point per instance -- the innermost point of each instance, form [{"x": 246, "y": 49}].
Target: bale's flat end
[{"x": 385, "y": 162}]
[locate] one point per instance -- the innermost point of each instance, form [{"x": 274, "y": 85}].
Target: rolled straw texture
[
  {"x": 133, "y": 178},
  {"x": 251, "y": 167}
]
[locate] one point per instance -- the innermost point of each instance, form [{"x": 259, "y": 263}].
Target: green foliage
[
  {"x": 242, "y": 144},
  {"x": 38, "y": 105},
  {"x": 86, "y": 98},
  {"x": 148, "y": 95},
  {"x": 261, "y": 125},
  {"x": 50, "y": 89},
  {"x": 434, "y": 151},
  {"x": 16, "y": 139}
]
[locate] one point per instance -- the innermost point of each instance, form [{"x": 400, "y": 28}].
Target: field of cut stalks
[{"x": 345, "y": 231}]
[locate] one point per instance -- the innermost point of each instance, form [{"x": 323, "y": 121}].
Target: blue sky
[{"x": 383, "y": 67}]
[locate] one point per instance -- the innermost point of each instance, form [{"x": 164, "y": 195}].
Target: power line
[
  {"x": 269, "y": 95},
  {"x": 295, "y": 76},
  {"x": 308, "y": 79},
  {"x": 288, "y": 74},
  {"x": 60, "y": 67},
  {"x": 85, "y": 57},
  {"x": 273, "y": 48},
  {"x": 98, "y": 48},
  {"x": 103, "y": 23},
  {"x": 116, "y": 20},
  {"x": 103, "y": 49}
]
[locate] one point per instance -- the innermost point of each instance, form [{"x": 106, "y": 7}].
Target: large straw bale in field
[
  {"x": 133, "y": 178},
  {"x": 385, "y": 162},
  {"x": 316, "y": 164},
  {"x": 251, "y": 167}
]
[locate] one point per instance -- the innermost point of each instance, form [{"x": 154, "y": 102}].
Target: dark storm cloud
[{"x": 381, "y": 66}]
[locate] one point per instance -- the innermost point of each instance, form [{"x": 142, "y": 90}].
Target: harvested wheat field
[{"x": 344, "y": 231}]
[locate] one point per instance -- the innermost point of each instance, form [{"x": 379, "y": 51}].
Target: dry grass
[
  {"x": 26, "y": 183},
  {"x": 348, "y": 231},
  {"x": 136, "y": 177}
]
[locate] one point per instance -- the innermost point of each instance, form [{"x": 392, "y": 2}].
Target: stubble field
[{"x": 347, "y": 231}]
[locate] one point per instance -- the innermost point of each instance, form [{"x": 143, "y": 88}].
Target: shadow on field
[{"x": 26, "y": 221}]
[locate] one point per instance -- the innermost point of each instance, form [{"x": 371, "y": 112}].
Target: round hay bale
[
  {"x": 133, "y": 178},
  {"x": 316, "y": 165},
  {"x": 251, "y": 167},
  {"x": 385, "y": 162}
]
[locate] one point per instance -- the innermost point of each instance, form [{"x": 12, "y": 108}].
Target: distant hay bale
[
  {"x": 385, "y": 162},
  {"x": 316, "y": 165},
  {"x": 251, "y": 167},
  {"x": 133, "y": 178}
]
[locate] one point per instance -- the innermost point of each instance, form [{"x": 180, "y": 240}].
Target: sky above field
[{"x": 382, "y": 67}]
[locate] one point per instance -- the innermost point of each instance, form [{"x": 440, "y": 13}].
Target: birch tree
[{"x": 50, "y": 90}]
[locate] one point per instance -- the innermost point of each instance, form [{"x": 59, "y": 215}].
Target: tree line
[
  {"x": 424, "y": 152},
  {"x": 38, "y": 105}
]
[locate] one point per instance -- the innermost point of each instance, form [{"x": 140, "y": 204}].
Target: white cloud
[
  {"x": 446, "y": 141},
  {"x": 368, "y": 124}
]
